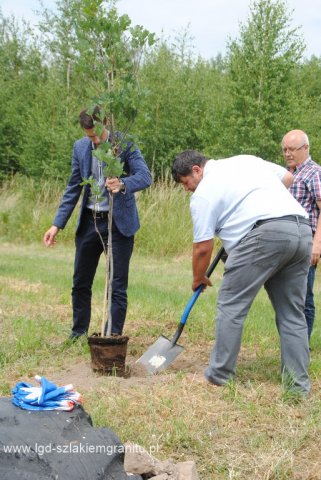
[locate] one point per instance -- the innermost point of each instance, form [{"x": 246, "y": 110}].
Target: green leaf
[
  {"x": 104, "y": 156},
  {"x": 114, "y": 168},
  {"x": 106, "y": 147},
  {"x": 113, "y": 165},
  {"x": 96, "y": 195},
  {"x": 87, "y": 181},
  {"x": 98, "y": 128}
]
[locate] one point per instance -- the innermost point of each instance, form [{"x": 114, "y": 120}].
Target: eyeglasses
[{"x": 292, "y": 149}]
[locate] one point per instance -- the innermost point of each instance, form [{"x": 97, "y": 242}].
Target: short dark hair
[
  {"x": 87, "y": 120},
  {"x": 184, "y": 162}
]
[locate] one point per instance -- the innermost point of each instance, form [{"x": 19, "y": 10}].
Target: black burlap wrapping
[{"x": 48, "y": 445}]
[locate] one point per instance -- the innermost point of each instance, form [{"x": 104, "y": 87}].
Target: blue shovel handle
[
  {"x": 190, "y": 304},
  {"x": 194, "y": 297}
]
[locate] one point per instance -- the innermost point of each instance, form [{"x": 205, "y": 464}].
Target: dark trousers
[
  {"x": 88, "y": 251},
  {"x": 309, "y": 309}
]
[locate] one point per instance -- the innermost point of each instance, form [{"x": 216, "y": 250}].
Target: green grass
[{"x": 246, "y": 430}]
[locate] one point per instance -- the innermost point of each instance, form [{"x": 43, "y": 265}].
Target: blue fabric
[
  {"x": 46, "y": 396},
  {"x": 125, "y": 211}
]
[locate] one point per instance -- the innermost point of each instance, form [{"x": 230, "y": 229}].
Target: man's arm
[
  {"x": 287, "y": 180},
  {"x": 282, "y": 173},
  {"x": 139, "y": 176},
  {"x": 73, "y": 190},
  {"x": 201, "y": 258},
  {"x": 67, "y": 204}
]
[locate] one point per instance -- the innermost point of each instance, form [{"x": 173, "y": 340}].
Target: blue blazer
[{"x": 125, "y": 213}]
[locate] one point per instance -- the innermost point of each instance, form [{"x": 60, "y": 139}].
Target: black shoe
[{"x": 73, "y": 338}]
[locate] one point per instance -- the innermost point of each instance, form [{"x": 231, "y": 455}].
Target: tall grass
[
  {"x": 28, "y": 207},
  {"x": 166, "y": 227}
]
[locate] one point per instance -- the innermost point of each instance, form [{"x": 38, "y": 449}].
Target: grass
[{"x": 247, "y": 430}]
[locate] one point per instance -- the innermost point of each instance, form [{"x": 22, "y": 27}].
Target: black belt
[
  {"x": 97, "y": 215},
  {"x": 288, "y": 218}
]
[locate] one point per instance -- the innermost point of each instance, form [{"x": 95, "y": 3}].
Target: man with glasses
[{"x": 306, "y": 188}]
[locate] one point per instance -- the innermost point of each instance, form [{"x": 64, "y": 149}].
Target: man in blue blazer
[{"x": 88, "y": 243}]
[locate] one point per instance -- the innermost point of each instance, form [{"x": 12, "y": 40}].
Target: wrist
[
  {"x": 122, "y": 186},
  {"x": 198, "y": 280}
]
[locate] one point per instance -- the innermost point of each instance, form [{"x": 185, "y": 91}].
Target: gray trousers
[{"x": 277, "y": 255}]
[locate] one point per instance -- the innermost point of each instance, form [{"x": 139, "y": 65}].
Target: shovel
[{"x": 164, "y": 351}]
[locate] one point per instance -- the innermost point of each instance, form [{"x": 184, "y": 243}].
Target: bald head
[
  {"x": 295, "y": 148},
  {"x": 296, "y": 136}
]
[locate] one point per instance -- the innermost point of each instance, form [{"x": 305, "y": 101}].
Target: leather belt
[
  {"x": 288, "y": 218},
  {"x": 97, "y": 215}
]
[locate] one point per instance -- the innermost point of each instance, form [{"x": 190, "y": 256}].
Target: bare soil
[{"x": 82, "y": 376}]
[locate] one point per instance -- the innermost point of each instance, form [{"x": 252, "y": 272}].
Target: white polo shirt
[{"x": 234, "y": 194}]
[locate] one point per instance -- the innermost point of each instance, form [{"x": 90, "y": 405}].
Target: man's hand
[
  {"x": 205, "y": 281},
  {"x": 316, "y": 252},
  {"x": 114, "y": 184},
  {"x": 49, "y": 238}
]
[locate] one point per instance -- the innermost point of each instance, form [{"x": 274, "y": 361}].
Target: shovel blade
[{"x": 159, "y": 355}]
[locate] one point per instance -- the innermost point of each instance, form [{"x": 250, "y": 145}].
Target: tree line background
[{"x": 243, "y": 102}]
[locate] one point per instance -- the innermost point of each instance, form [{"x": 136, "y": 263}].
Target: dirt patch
[
  {"x": 189, "y": 364},
  {"x": 82, "y": 376},
  {"x": 137, "y": 370},
  {"x": 21, "y": 285}
]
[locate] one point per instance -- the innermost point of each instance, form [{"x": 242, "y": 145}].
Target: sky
[{"x": 210, "y": 23}]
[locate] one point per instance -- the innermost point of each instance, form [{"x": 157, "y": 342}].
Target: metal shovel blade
[{"x": 159, "y": 355}]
